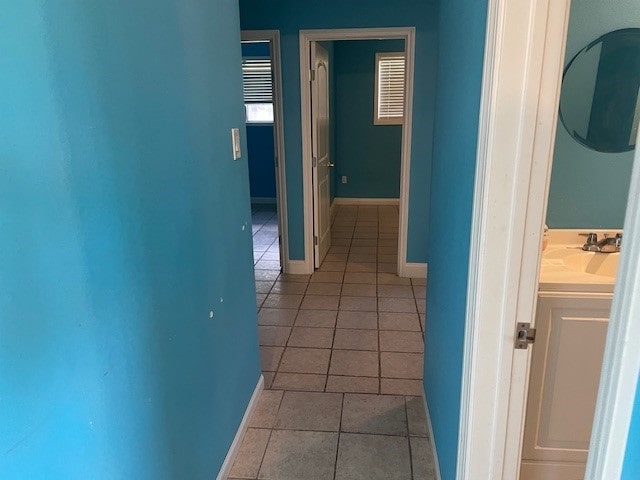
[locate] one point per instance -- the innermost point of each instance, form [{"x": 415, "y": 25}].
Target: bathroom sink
[{"x": 602, "y": 264}]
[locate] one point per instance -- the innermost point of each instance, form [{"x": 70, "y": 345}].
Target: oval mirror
[{"x": 600, "y": 101}]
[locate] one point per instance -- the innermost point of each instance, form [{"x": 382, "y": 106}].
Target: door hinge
[
  {"x": 315, "y": 240},
  {"x": 314, "y": 162},
  {"x": 312, "y": 75},
  {"x": 525, "y": 335}
]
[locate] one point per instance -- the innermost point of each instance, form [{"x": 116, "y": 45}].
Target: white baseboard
[
  {"x": 298, "y": 267},
  {"x": 413, "y": 270},
  {"x": 436, "y": 463},
  {"x": 264, "y": 200},
  {"x": 366, "y": 201},
  {"x": 244, "y": 424}
]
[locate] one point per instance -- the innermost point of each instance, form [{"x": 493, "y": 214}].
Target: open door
[
  {"x": 262, "y": 92},
  {"x": 320, "y": 149}
]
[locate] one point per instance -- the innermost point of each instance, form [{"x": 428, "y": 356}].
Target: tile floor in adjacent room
[
  {"x": 342, "y": 361},
  {"x": 266, "y": 248}
]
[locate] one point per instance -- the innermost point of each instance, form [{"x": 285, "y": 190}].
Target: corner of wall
[
  {"x": 230, "y": 458},
  {"x": 434, "y": 450}
]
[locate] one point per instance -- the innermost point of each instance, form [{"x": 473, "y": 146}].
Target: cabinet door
[{"x": 563, "y": 385}]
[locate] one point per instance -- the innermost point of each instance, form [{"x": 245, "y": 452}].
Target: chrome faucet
[{"x": 606, "y": 245}]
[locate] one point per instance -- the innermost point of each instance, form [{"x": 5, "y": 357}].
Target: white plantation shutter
[
  {"x": 256, "y": 78},
  {"x": 257, "y": 88},
  {"x": 389, "y": 101}
]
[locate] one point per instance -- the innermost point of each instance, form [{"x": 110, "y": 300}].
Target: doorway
[
  {"x": 357, "y": 94},
  {"x": 262, "y": 90},
  {"x": 525, "y": 50},
  {"x": 317, "y": 170},
  {"x": 581, "y": 249}
]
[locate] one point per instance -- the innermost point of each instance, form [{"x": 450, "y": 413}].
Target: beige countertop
[{"x": 566, "y": 267}]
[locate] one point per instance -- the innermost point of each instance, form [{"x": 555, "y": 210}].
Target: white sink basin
[{"x": 602, "y": 264}]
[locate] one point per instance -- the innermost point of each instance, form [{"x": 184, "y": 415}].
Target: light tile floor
[
  {"x": 342, "y": 360},
  {"x": 266, "y": 248}
]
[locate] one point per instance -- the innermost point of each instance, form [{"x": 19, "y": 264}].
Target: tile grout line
[
  {"x": 271, "y": 430},
  {"x": 284, "y": 348},
  {"x": 406, "y": 413},
  {"x": 264, "y": 454},
  {"x": 333, "y": 341},
  {"x": 379, "y": 356},
  {"x": 339, "y": 328},
  {"x": 335, "y": 464},
  {"x": 378, "y": 330},
  {"x": 392, "y": 435},
  {"x": 287, "y": 342},
  {"x": 419, "y": 318}
]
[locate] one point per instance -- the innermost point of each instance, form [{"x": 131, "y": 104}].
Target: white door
[
  {"x": 563, "y": 385},
  {"x": 321, "y": 160}
]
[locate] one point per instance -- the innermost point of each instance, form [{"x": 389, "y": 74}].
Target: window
[
  {"x": 389, "y": 97},
  {"x": 257, "y": 90}
]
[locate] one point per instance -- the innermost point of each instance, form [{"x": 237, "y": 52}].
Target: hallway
[{"x": 342, "y": 361}]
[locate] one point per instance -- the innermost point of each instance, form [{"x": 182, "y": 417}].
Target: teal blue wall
[
  {"x": 460, "y": 65},
  {"x": 631, "y": 469},
  {"x": 589, "y": 189},
  {"x": 121, "y": 215},
  {"x": 290, "y": 17},
  {"x": 368, "y": 154}
]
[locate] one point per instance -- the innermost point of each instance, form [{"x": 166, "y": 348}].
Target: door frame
[
  {"x": 524, "y": 60},
  {"x": 273, "y": 37},
  {"x": 323, "y": 35}
]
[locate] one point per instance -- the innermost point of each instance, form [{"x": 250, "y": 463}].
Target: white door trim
[
  {"x": 524, "y": 58},
  {"x": 484, "y": 399},
  {"x": 273, "y": 37},
  {"x": 395, "y": 33}
]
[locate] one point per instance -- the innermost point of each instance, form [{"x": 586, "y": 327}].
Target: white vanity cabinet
[{"x": 563, "y": 383}]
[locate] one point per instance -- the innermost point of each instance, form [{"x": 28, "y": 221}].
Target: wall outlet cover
[{"x": 344, "y": 179}]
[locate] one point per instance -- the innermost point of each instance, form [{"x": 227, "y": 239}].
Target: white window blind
[
  {"x": 256, "y": 78},
  {"x": 389, "y": 98}
]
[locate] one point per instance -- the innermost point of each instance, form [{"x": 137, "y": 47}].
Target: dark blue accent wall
[
  {"x": 123, "y": 222},
  {"x": 260, "y": 141},
  {"x": 255, "y": 49},
  {"x": 460, "y": 65},
  {"x": 290, "y": 17},
  {"x": 368, "y": 154},
  {"x": 260, "y": 153}
]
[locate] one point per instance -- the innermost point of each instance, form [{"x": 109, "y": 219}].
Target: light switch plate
[{"x": 235, "y": 143}]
